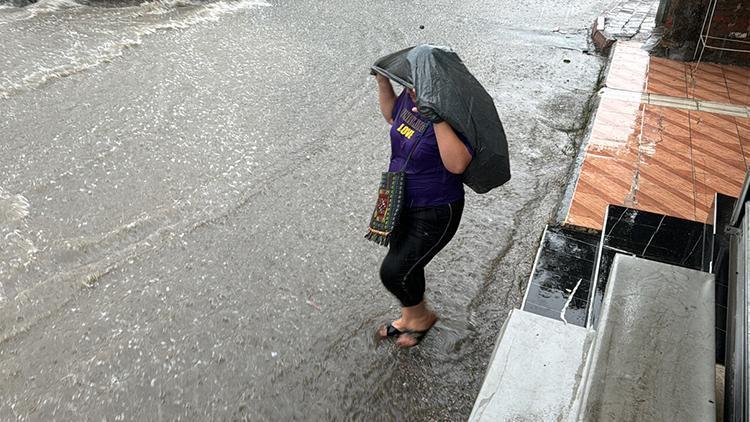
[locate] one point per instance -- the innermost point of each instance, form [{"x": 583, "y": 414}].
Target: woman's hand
[
  {"x": 386, "y": 96},
  {"x": 380, "y": 78},
  {"x": 453, "y": 151}
]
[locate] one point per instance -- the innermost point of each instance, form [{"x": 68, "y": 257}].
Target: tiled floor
[
  {"x": 669, "y": 158},
  {"x": 707, "y": 81},
  {"x": 561, "y": 277},
  {"x": 646, "y": 235}
]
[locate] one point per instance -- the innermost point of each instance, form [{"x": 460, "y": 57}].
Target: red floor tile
[
  {"x": 666, "y": 187},
  {"x": 738, "y": 84},
  {"x": 716, "y": 135},
  {"x": 737, "y": 74},
  {"x": 739, "y": 94},
  {"x": 718, "y": 159},
  {"x": 666, "y": 77},
  {"x": 706, "y": 82},
  {"x": 601, "y": 181},
  {"x": 673, "y": 121},
  {"x": 665, "y": 174}
]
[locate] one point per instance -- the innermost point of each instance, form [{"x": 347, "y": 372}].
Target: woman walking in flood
[{"x": 435, "y": 156}]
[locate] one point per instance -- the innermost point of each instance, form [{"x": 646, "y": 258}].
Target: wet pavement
[{"x": 184, "y": 193}]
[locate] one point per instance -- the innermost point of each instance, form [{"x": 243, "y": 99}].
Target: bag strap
[{"x": 413, "y": 148}]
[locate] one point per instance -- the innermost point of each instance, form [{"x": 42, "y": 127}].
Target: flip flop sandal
[
  {"x": 417, "y": 336},
  {"x": 390, "y": 331}
]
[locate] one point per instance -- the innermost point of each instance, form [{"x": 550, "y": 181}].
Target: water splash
[
  {"x": 50, "y": 6},
  {"x": 16, "y": 249},
  {"x": 12, "y": 207},
  {"x": 126, "y": 38}
]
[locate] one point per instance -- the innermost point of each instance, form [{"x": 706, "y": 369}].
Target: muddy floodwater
[{"x": 185, "y": 187}]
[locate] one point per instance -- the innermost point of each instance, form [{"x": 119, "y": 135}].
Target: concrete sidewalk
[{"x": 626, "y": 20}]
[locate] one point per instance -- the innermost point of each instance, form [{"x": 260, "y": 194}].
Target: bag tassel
[{"x": 378, "y": 238}]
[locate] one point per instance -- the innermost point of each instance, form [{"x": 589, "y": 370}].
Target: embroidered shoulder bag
[{"x": 390, "y": 202}]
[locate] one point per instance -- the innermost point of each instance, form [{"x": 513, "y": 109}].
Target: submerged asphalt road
[{"x": 184, "y": 193}]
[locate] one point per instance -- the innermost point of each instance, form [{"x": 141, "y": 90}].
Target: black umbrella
[{"x": 446, "y": 89}]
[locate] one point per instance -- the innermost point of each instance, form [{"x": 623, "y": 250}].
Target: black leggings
[{"x": 421, "y": 233}]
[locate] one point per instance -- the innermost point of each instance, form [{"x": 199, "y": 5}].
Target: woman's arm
[
  {"x": 386, "y": 96},
  {"x": 453, "y": 152}
]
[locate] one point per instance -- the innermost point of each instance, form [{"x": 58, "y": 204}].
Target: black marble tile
[
  {"x": 548, "y": 297},
  {"x": 564, "y": 267},
  {"x": 582, "y": 235},
  {"x": 707, "y": 247},
  {"x": 721, "y": 317},
  {"x": 616, "y": 212},
  {"x": 551, "y": 281},
  {"x": 563, "y": 244},
  {"x": 721, "y": 267},
  {"x": 576, "y": 312},
  {"x": 724, "y": 206},
  {"x": 721, "y": 346},
  {"x": 541, "y": 310},
  {"x": 683, "y": 238},
  {"x": 688, "y": 256},
  {"x": 596, "y": 307},
  {"x": 722, "y": 293},
  {"x": 719, "y": 257},
  {"x": 555, "y": 291},
  {"x": 678, "y": 240},
  {"x": 577, "y": 304},
  {"x": 605, "y": 264},
  {"x": 647, "y": 229},
  {"x": 629, "y": 216},
  {"x": 582, "y": 293},
  {"x": 711, "y": 213},
  {"x": 629, "y": 237}
]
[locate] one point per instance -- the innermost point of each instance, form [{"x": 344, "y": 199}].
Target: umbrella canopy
[{"x": 446, "y": 88}]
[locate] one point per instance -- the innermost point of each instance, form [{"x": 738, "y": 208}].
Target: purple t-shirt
[{"x": 428, "y": 182}]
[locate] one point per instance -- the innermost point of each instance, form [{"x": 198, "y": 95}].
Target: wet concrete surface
[{"x": 184, "y": 200}]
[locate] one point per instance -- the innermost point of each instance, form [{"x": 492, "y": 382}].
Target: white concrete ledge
[
  {"x": 534, "y": 372},
  {"x": 653, "y": 357}
]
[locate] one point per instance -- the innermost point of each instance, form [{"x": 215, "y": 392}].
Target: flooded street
[{"x": 184, "y": 191}]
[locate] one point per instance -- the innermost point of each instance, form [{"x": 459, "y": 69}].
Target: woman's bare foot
[
  {"x": 414, "y": 323},
  {"x": 415, "y": 329}
]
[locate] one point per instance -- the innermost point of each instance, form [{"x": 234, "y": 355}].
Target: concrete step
[
  {"x": 534, "y": 372},
  {"x": 648, "y": 235},
  {"x": 653, "y": 355}
]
